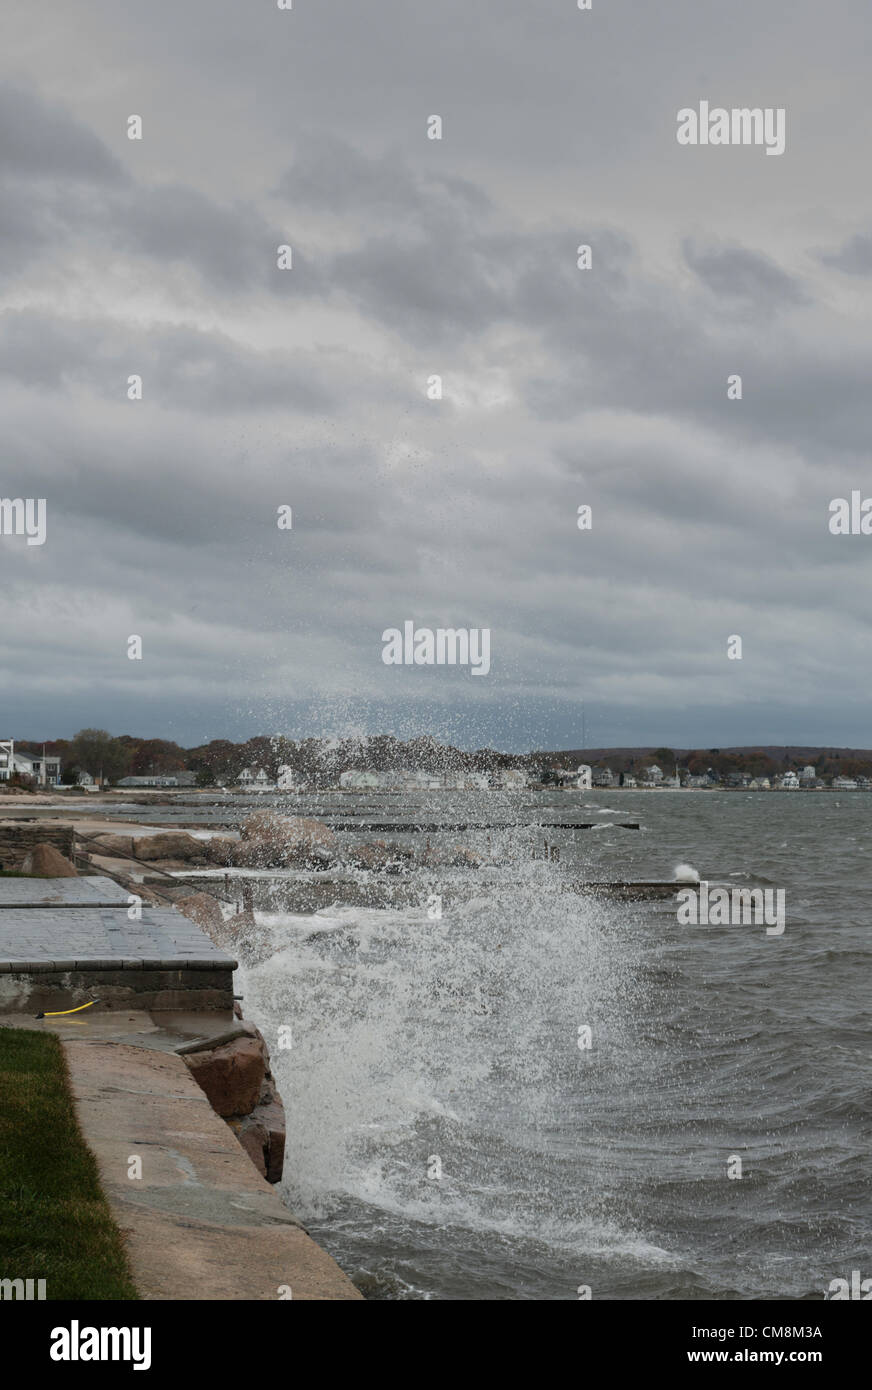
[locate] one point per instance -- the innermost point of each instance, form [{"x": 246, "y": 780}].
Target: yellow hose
[{"x": 59, "y": 1013}]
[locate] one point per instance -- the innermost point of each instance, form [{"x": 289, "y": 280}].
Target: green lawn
[{"x": 55, "y": 1223}]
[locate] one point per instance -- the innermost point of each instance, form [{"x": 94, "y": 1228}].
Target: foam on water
[{"x": 456, "y": 1037}]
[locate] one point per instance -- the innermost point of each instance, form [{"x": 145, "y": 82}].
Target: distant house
[
  {"x": 653, "y": 774},
  {"x": 603, "y": 777},
  {"x": 788, "y": 782},
  {"x": 628, "y": 780},
  {"x": 844, "y": 784},
  {"x": 287, "y": 779},
  {"x": 808, "y": 777},
  {"x": 352, "y": 780},
  {"x": 45, "y": 769},
  {"x": 566, "y": 776},
  {"x": 759, "y": 784},
  {"x": 585, "y": 777},
  {"x": 255, "y": 778}
]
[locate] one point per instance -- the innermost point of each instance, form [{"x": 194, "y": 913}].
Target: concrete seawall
[{"x": 147, "y": 1063}]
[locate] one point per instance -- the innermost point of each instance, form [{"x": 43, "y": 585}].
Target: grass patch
[{"x": 55, "y": 1222}]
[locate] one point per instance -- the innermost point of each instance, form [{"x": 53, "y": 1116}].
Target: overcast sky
[{"x": 415, "y": 257}]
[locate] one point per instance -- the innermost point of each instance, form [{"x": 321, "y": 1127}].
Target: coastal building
[
  {"x": 585, "y": 777},
  {"x": 603, "y": 777},
  {"x": 844, "y": 784},
  {"x": 44, "y": 768},
  {"x": 254, "y": 778},
  {"x": 787, "y": 782},
  {"x": 759, "y": 784},
  {"x": 287, "y": 779},
  {"x": 352, "y": 780},
  {"x": 628, "y": 780},
  {"x": 808, "y": 777},
  {"x": 568, "y": 776}
]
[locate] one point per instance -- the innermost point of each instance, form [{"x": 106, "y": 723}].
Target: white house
[
  {"x": 45, "y": 768},
  {"x": 255, "y": 778},
  {"x": 352, "y": 780},
  {"x": 844, "y": 784},
  {"x": 287, "y": 779},
  {"x": 585, "y": 777},
  {"x": 789, "y": 782}
]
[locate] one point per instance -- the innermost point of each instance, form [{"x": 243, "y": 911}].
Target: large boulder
[
  {"x": 254, "y": 1138},
  {"x": 272, "y": 1117},
  {"x": 203, "y": 909},
  {"x": 167, "y": 846},
  {"x": 248, "y": 940},
  {"x": 231, "y": 1075},
  {"x": 112, "y": 846},
  {"x": 44, "y": 861},
  {"x": 218, "y": 849},
  {"x": 262, "y": 1135},
  {"x": 271, "y": 841},
  {"x": 240, "y": 924}
]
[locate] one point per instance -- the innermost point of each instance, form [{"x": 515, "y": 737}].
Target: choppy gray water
[{"x": 416, "y": 1039}]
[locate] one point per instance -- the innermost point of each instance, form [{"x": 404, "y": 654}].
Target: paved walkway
[
  {"x": 200, "y": 1223},
  {"x": 82, "y": 923}
]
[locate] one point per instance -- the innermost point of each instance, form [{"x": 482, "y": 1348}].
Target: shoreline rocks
[
  {"x": 269, "y": 841},
  {"x": 239, "y": 1085},
  {"x": 44, "y": 861}
]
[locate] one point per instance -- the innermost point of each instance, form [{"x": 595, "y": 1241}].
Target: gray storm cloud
[{"x": 414, "y": 258}]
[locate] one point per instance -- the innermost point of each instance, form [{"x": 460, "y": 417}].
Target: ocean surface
[{"x": 421, "y": 1046}]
